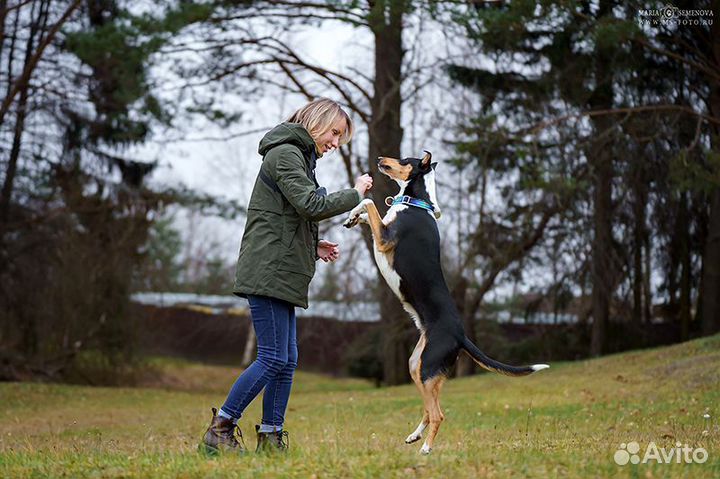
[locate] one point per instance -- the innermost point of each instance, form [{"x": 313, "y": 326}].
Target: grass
[{"x": 567, "y": 421}]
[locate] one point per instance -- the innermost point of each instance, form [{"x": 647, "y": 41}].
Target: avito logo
[{"x": 682, "y": 453}]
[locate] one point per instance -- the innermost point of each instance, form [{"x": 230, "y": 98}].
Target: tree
[{"x": 707, "y": 47}]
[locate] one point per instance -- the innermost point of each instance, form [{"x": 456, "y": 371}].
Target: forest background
[{"x": 579, "y": 150}]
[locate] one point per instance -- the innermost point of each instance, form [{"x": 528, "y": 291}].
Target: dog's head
[
  {"x": 405, "y": 170},
  {"x": 413, "y": 175}
]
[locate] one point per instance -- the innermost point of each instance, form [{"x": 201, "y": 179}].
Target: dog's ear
[
  {"x": 425, "y": 162},
  {"x": 433, "y": 164}
]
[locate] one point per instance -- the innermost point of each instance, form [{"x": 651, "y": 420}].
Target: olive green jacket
[{"x": 278, "y": 248}]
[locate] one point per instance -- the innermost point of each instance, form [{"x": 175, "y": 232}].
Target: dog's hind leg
[
  {"x": 416, "y": 435},
  {"x": 431, "y": 396},
  {"x": 415, "y": 364}
]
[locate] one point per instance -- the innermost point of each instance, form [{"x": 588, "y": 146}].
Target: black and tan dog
[{"x": 407, "y": 251}]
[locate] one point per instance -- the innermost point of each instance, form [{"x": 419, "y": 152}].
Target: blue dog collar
[{"x": 409, "y": 200}]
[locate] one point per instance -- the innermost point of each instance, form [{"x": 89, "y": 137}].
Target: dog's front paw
[
  {"x": 352, "y": 221},
  {"x": 425, "y": 450},
  {"x": 412, "y": 438}
]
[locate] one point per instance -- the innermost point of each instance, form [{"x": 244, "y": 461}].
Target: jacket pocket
[
  {"x": 297, "y": 240},
  {"x": 290, "y": 228}
]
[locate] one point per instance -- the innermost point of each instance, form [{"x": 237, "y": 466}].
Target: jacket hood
[{"x": 287, "y": 133}]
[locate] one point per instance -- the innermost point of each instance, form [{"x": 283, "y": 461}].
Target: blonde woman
[{"x": 277, "y": 261}]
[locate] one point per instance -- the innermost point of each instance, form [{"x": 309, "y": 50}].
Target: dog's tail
[{"x": 496, "y": 366}]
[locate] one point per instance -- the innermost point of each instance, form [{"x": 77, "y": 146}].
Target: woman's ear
[{"x": 425, "y": 162}]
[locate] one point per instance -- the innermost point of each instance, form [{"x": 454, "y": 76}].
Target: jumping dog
[{"x": 407, "y": 251}]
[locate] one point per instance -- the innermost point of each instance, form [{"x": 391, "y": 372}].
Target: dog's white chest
[
  {"x": 390, "y": 275},
  {"x": 392, "y": 278}
]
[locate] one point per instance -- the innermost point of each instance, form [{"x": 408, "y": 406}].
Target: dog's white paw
[
  {"x": 352, "y": 221},
  {"x": 358, "y": 214},
  {"x": 353, "y": 216},
  {"x": 412, "y": 438},
  {"x": 425, "y": 450}
]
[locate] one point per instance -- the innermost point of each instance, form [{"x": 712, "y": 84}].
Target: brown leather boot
[
  {"x": 220, "y": 437},
  {"x": 272, "y": 441}
]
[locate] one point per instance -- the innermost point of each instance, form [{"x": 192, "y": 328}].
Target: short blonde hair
[{"x": 318, "y": 117}]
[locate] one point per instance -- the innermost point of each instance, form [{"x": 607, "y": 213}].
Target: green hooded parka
[{"x": 279, "y": 244}]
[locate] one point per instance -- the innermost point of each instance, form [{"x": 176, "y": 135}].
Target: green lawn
[{"x": 567, "y": 421}]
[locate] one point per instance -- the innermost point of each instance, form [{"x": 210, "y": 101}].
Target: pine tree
[{"x": 581, "y": 88}]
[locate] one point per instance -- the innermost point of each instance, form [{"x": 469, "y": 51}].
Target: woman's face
[{"x": 330, "y": 140}]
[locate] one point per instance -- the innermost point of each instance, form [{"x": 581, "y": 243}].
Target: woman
[{"x": 277, "y": 261}]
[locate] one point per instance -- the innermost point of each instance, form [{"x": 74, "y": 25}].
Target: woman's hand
[
  {"x": 328, "y": 251},
  {"x": 363, "y": 183}
]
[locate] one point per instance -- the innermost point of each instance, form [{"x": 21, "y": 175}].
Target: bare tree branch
[
  {"x": 327, "y": 74},
  {"x": 330, "y": 7},
  {"x": 706, "y": 69},
  {"x": 6, "y": 10},
  {"x": 285, "y": 16},
  {"x": 30, "y": 67},
  {"x": 214, "y": 138},
  {"x": 294, "y": 79}
]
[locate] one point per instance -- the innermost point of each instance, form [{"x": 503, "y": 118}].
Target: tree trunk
[
  {"x": 639, "y": 233},
  {"x": 385, "y": 137},
  {"x": 711, "y": 270},
  {"x": 600, "y": 158},
  {"x": 683, "y": 231},
  {"x": 711, "y": 254},
  {"x": 3, "y": 16},
  {"x": 601, "y": 250},
  {"x": 647, "y": 292},
  {"x": 385, "y": 131},
  {"x": 249, "y": 352},
  {"x": 6, "y": 194},
  {"x": 30, "y": 333},
  {"x": 29, "y": 324},
  {"x": 465, "y": 364}
]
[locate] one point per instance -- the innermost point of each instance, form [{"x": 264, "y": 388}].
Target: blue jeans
[{"x": 277, "y": 354}]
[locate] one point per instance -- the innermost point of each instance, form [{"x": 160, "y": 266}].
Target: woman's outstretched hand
[
  {"x": 363, "y": 183},
  {"x": 328, "y": 251}
]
